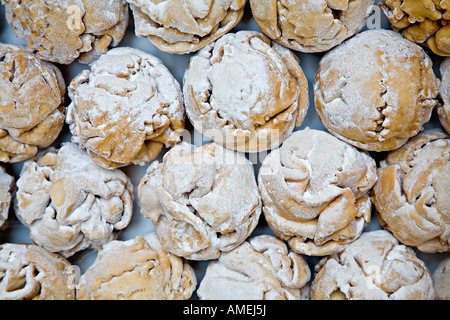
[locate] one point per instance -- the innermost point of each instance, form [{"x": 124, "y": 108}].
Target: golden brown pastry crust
[
  {"x": 441, "y": 280},
  {"x": 31, "y": 103},
  {"x": 310, "y": 26},
  {"x": 137, "y": 269},
  {"x": 411, "y": 195},
  {"x": 374, "y": 267},
  {"x": 6, "y": 188},
  {"x": 369, "y": 104},
  {"x": 126, "y": 108},
  {"x": 425, "y": 22},
  {"x": 202, "y": 200},
  {"x": 443, "y": 110},
  {"x": 195, "y": 24},
  {"x": 31, "y": 272},
  {"x": 65, "y": 30},
  {"x": 245, "y": 92},
  {"x": 315, "y": 192}
]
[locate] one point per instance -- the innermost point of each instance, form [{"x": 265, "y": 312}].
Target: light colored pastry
[
  {"x": 245, "y": 92},
  {"x": 443, "y": 110},
  {"x": 63, "y": 31},
  {"x": 315, "y": 192},
  {"x": 202, "y": 200},
  {"x": 441, "y": 280},
  {"x": 6, "y": 186},
  {"x": 137, "y": 269},
  {"x": 425, "y": 22},
  {"x": 31, "y": 103},
  {"x": 125, "y": 109},
  {"x": 184, "y": 26},
  {"x": 70, "y": 203},
  {"x": 30, "y": 272},
  {"x": 374, "y": 267},
  {"x": 411, "y": 195},
  {"x": 261, "y": 268},
  {"x": 362, "y": 97},
  {"x": 310, "y": 25}
]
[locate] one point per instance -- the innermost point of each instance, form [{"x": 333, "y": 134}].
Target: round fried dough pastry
[
  {"x": 425, "y": 22},
  {"x": 137, "y": 269},
  {"x": 70, "y": 203},
  {"x": 62, "y": 31},
  {"x": 315, "y": 192},
  {"x": 374, "y": 267},
  {"x": 441, "y": 280},
  {"x": 261, "y": 268},
  {"x": 30, "y": 272},
  {"x": 245, "y": 92},
  {"x": 6, "y": 187},
  {"x": 184, "y": 26},
  {"x": 202, "y": 200},
  {"x": 365, "y": 100},
  {"x": 310, "y": 25},
  {"x": 125, "y": 109},
  {"x": 443, "y": 110},
  {"x": 31, "y": 97},
  {"x": 411, "y": 195}
]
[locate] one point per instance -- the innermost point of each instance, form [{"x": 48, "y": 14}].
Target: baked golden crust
[
  {"x": 441, "y": 280},
  {"x": 65, "y": 30},
  {"x": 6, "y": 187},
  {"x": 70, "y": 203},
  {"x": 411, "y": 195},
  {"x": 31, "y": 272},
  {"x": 315, "y": 192},
  {"x": 195, "y": 24},
  {"x": 443, "y": 110},
  {"x": 310, "y": 26},
  {"x": 369, "y": 104},
  {"x": 425, "y": 22},
  {"x": 245, "y": 92},
  {"x": 31, "y": 103},
  {"x": 202, "y": 200},
  {"x": 374, "y": 267},
  {"x": 125, "y": 109},
  {"x": 137, "y": 269}
]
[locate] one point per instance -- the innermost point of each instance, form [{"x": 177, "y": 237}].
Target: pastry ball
[
  {"x": 315, "y": 192},
  {"x": 310, "y": 25},
  {"x": 30, "y": 272},
  {"x": 31, "y": 103},
  {"x": 261, "y": 268},
  {"x": 70, "y": 203},
  {"x": 376, "y": 90},
  {"x": 425, "y": 22},
  {"x": 125, "y": 109},
  {"x": 63, "y": 31},
  {"x": 374, "y": 267},
  {"x": 444, "y": 109},
  {"x": 184, "y": 26},
  {"x": 202, "y": 200},
  {"x": 441, "y": 280},
  {"x": 412, "y": 192},
  {"x": 245, "y": 92},
  {"x": 137, "y": 269},
  {"x": 6, "y": 187}
]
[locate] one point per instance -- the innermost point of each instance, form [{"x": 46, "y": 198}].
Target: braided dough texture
[
  {"x": 441, "y": 280},
  {"x": 365, "y": 100},
  {"x": 443, "y": 110},
  {"x": 184, "y": 26},
  {"x": 6, "y": 188},
  {"x": 245, "y": 92},
  {"x": 31, "y": 103}
]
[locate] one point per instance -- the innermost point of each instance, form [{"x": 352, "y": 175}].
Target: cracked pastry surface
[
  {"x": 196, "y": 23},
  {"x": 245, "y": 92},
  {"x": 441, "y": 280},
  {"x": 31, "y": 103},
  {"x": 125, "y": 109},
  {"x": 137, "y": 269},
  {"x": 31, "y": 272},
  {"x": 70, "y": 203},
  {"x": 202, "y": 200},
  {"x": 374, "y": 267},
  {"x": 315, "y": 192},
  {"x": 368, "y": 103},
  {"x": 310, "y": 26},
  {"x": 443, "y": 110},
  {"x": 411, "y": 195},
  {"x": 67, "y": 30},
  {"x": 425, "y": 22},
  {"x": 6, "y": 187},
  {"x": 261, "y": 268}
]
